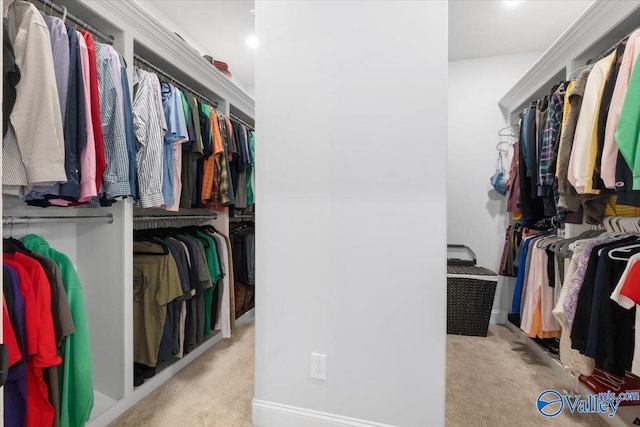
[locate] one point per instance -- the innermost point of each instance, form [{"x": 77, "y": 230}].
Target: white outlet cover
[{"x": 318, "y": 366}]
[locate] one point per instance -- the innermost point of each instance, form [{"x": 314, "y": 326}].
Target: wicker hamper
[{"x": 470, "y": 294}]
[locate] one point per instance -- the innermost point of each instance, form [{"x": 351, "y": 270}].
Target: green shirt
[
  {"x": 75, "y": 373},
  {"x": 628, "y": 130},
  {"x": 215, "y": 272},
  {"x": 189, "y": 157}
]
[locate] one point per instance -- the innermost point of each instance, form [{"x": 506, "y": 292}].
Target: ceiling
[
  {"x": 477, "y": 28},
  {"x": 489, "y": 28},
  {"x": 217, "y": 28}
]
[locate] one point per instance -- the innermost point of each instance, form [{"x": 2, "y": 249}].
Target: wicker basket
[{"x": 470, "y": 294}]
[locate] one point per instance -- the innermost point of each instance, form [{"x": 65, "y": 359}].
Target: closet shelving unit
[
  {"x": 101, "y": 250},
  {"x": 602, "y": 25}
]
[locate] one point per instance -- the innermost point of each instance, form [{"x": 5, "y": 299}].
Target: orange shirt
[{"x": 209, "y": 164}]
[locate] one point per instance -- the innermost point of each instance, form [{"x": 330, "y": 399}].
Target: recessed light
[
  {"x": 512, "y": 3},
  {"x": 252, "y": 41}
]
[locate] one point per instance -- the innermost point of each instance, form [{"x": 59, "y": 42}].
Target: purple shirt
[
  {"x": 60, "y": 49},
  {"x": 575, "y": 283},
  {"x": 15, "y": 389}
]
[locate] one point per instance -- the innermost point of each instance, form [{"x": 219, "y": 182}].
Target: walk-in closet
[
  {"x": 566, "y": 214},
  {"x": 148, "y": 244}
]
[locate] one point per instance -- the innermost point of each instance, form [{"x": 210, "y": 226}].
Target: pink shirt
[
  {"x": 610, "y": 149},
  {"x": 88, "y": 188}
]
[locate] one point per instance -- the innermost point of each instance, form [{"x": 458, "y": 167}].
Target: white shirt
[
  {"x": 578, "y": 164},
  {"x": 33, "y": 148}
]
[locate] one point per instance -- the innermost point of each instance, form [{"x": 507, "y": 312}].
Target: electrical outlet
[{"x": 319, "y": 366}]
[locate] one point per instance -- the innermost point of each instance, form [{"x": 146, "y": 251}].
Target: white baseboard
[{"x": 271, "y": 414}]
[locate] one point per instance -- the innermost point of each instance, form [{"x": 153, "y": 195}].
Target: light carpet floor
[
  {"x": 492, "y": 381},
  {"x": 214, "y": 391},
  {"x": 495, "y": 381}
]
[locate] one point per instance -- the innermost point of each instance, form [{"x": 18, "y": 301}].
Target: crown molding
[
  {"x": 592, "y": 26},
  {"x": 148, "y": 31}
]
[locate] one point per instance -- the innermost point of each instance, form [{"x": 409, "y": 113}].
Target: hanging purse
[{"x": 499, "y": 179}]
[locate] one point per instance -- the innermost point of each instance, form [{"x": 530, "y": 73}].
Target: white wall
[
  {"x": 350, "y": 230},
  {"x": 475, "y": 212}
]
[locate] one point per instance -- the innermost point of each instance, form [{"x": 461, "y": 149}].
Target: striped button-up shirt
[
  {"x": 149, "y": 137},
  {"x": 115, "y": 180}
]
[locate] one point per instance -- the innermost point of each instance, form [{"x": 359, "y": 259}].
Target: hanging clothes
[
  {"x": 15, "y": 388},
  {"x": 10, "y": 78},
  {"x": 33, "y": 148},
  {"x": 60, "y": 45},
  {"x": 75, "y": 373},
  {"x": 531, "y": 206},
  {"x": 191, "y": 156},
  {"x": 250, "y": 175},
  {"x": 129, "y": 131},
  {"x": 115, "y": 181},
  {"x": 242, "y": 236},
  {"x": 176, "y": 134},
  {"x": 41, "y": 344},
  {"x": 578, "y": 163},
  {"x": 150, "y": 140},
  {"x": 180, "y": 294},
  {"x": 610, "y": 149},
  {"x": 88, "y": 156},
  {"x": 568, "y": 196},
  {"x": 101, "y": 162},
  {"x": 605, "y": 108}
]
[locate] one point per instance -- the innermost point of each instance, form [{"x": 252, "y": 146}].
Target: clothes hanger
[
  {"x": 576, "y": 73},
  {"x": 143, "y": 237},
  {"x": 192, "y": 230},
  {"x": 629, "y": 224},
  {"x": 503, "y": 150},
  {"x": 624, "y": 249},
  {"x": 605, "y": 223},
  {"x": 13, "y": 245}
]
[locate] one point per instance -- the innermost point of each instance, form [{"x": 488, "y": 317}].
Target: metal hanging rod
[
  {"x": 13, "y": 220},
  {"x": 174, "y": 217},
  {"x": 177, "y": 82},
  {"x": 150, "y": 222},
  {"x": 241, "y": 219},
  {"x": 242, "y": 122},
  {"x": 47, "y": 4},
  {"x": 243, "y": 216},
  {"x": 609, "y": 50}
]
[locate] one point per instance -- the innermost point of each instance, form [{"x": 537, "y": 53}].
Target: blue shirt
[
  {"x": 129, "y": 133},
  {"x": 172, "y": 106},
  {"x": 522, "y": 266}
]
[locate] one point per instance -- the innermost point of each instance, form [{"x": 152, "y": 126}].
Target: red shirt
[
  {"x": 101, "y": 162},
  {"x": 39, "y": 409},
  {"x": 631, "y": 287}
]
